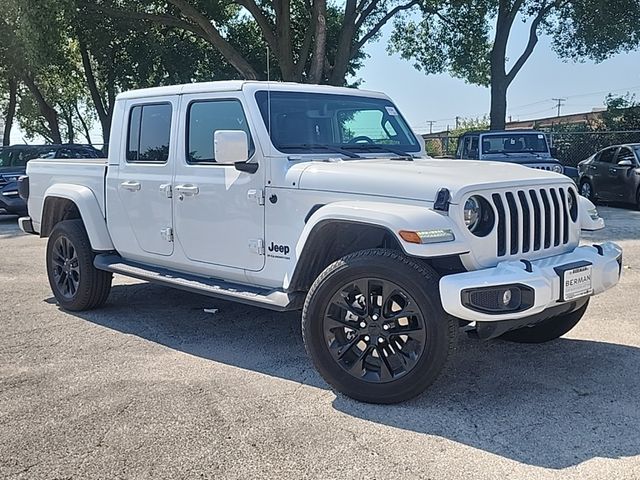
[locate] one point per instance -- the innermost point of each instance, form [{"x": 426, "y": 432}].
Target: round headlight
[
  {"x": 472, "y": 213},
  {"x": 557, "y": 169}
]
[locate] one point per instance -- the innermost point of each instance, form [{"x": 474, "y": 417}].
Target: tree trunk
[
  {"x": 104, "y": 109},
  {"x": 11, "y": 111},
  {"x": 345, "y": 43},
  {"x": 320, "y": 46},
  {"x": 46, "y": 110},
  {"x": 499, "y": 78},
  {"x": 498, "y": 103}
]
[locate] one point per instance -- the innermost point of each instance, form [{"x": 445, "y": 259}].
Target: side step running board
[{"x": 271, "y": 299}]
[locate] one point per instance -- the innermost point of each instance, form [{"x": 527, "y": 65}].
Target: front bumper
[{"x": 540, "y": 276}]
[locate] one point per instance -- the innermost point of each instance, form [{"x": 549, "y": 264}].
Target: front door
[
  {"x": 621, "y": 176},
  {"x": 218, "y": 210},
  {"x": 602, "y": 182},
  {"x": 139, "y": 184}
]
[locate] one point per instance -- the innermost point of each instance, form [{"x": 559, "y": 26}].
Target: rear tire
[
  {"x": 549, "y": 329},
  {"x": 75, "y": 282},
  {"x": 374, "y": 326}
]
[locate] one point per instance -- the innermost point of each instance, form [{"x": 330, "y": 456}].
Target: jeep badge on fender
[{"x": 284, "y": 249}]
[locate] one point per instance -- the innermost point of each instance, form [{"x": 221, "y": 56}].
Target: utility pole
[
  {"x": 560, "y": 103},
  {"x": 430, "y": 122}
]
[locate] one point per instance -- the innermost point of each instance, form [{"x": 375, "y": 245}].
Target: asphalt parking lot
[{"x": 152, "y": 386}]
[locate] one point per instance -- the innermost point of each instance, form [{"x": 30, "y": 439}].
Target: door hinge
[
  {"x": 167, "y": 234},
  {"x": 256, "y": 196},
  {"x": 167, "y": 190},
  {"x": 256, "y": 245}
]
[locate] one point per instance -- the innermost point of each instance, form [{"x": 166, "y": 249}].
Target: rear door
[{"x": 139, "y": 184}]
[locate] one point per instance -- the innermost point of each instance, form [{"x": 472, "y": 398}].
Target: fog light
[
  {"x": 506, "y": 297},
  {"x": 499, "y": 299}
]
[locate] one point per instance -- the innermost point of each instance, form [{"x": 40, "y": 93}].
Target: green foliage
[
  {"x": 623, "y": 113},
  {"x": 469, "y": 38},
  {"x": 451, "y": 37},
  {"x": 470, "y": 124},
  {"x": 594, "y": 29}
]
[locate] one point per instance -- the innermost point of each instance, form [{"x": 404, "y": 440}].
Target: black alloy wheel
[
  {"x": 374, "y": 330},
  {"x": 74, "y": 280},
  {"x": 66, "y": 271}
]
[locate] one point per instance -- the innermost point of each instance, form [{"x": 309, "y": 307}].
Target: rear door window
[{"x": 149, "y": 133}]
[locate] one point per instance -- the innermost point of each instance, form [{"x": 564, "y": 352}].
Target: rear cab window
[{"x": 149, "y": 133}]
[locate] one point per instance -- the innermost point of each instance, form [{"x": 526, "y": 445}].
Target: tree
[
  {"x": 311, "y": 40},
  {"x": 456, "y": 36},
  {"x": 623, "y": 113}
]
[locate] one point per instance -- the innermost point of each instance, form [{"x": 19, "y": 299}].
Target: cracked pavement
[{"x": 152, "y": 386}]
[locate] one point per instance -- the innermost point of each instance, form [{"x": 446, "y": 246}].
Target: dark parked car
[
  {"x": 612, "y": 174},
  {"x": 13, "y": 164}
]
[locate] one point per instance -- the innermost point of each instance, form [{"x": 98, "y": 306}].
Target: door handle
[
  {"x": 187, "y": 190},
  {"x": 132, "y": 186}
]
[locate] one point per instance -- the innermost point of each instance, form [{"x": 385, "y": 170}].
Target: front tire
[
  {"x": 549, "y": 329},
  {"x": 75, "y": 282},
  {"x": 586, "y": 190},
  {"x": 374, "y": 326}
]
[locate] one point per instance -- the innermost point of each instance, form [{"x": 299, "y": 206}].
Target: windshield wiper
[
  {"x": 382, "y": 148},
  {"x": 307, "y": 146}
]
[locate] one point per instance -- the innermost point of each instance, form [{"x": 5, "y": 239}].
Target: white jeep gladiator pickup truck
[{"x": 318, "y": 198}]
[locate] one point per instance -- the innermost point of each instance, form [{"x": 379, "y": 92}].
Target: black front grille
[{"x": 532, "y": 220}]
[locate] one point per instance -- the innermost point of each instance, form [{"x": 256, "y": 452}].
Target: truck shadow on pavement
[
  {"x": 9, "y": 226},
  {"x": 553, "y": 406}
]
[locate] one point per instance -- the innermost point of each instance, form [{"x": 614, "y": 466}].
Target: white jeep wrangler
[{"x": 291, "y": 196}]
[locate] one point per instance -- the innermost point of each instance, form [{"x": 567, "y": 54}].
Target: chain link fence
[{"x": 572, "y": 147}]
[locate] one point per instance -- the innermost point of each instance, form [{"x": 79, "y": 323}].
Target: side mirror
[
  {"x": 232, "y": 147},
  {"x": 553, "y": 151},
  {"x": 625, "y": 163}
]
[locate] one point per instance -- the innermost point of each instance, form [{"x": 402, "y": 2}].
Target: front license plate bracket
[{"x": 575, "y": 280}]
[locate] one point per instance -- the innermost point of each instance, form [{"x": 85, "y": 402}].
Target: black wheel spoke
[
  {"x": 344, "y": 349},
  {"x": 386, "y": 372},
  {"x": 357, "y": 367},
  {"x": 332, "y": 323}
]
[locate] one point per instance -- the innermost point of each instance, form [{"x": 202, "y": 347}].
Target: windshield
[
  {"x": 319, "y": 122},
  {"x": 514, "y": 143}
]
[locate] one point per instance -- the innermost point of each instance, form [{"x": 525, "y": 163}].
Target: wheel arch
[
  {"x": 338, "y": 229},
  {"x": 62, "y": 202}
]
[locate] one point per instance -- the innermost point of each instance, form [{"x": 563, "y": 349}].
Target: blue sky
[
  {"x": 544, "y": 76},
  {"x": 442, "y": 98}
]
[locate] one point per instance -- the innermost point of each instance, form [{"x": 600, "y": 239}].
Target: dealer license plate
[{"x": 576, "y": 282}]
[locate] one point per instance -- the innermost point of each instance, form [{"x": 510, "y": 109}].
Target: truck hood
[{"x": 419, "y": 179}]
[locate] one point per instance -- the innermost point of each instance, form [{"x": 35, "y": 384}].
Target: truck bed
[{"x": 83, "y": 172}]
